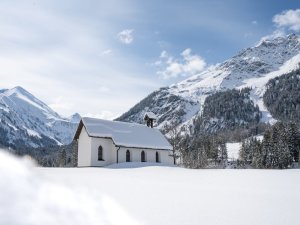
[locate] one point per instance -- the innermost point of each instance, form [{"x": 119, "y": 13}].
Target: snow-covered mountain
[
  {"x": 25, "y": 120},
  {"x": 252, "y": 67}
]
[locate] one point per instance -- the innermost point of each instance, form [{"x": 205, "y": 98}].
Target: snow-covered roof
[
  {"x": 150, "y": 115},
  {"x": 124, "y": 134}
]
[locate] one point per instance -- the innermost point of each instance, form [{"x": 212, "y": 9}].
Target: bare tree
[{"x": 172, "y": 132}]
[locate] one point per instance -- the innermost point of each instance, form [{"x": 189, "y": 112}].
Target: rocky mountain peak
[
  {"x": 251, "y": 67},
  {"x": 75, "y": 118},
  {"x": 26, "y": 119}
]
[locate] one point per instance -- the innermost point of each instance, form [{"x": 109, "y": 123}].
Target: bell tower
[{"x": 149, "y": 118}]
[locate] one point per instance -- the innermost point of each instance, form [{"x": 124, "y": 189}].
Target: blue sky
[{"x": 99, "y": 58}]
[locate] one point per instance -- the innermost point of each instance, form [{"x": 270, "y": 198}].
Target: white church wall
[
  {"x": 109, "y": 151},
  {"x": 135, "y": 155},
  {"x": 165, "y": 157},
  {"x": 84, "y": 149}
]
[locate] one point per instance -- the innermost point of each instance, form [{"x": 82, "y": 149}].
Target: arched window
[
  {"x": 143, "y": 156},
  {"x": 127, "y": 156},
  {"x": 100, "y": 153},
  {"x": 157, "y": 157}
]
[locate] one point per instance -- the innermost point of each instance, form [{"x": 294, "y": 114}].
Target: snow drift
[{"x": 29, "y": 199}]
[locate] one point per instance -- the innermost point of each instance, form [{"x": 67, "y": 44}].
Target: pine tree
[
  {"x": 266, "y": 150},
  {"x": 284, "y": 157},
  {"x": 222, "y": 153},
  {"x": 243, "y": 152},
  {"x": 63, "y": 158},
  {"x": 246, "y": 153},
  {"x": 184, "y": 146},
  {"x": 257, "y": 157},
  {"x": 74, "y": 153},
  {"x": 202, "y": 160},
  {"x": 293, "y": 140}
]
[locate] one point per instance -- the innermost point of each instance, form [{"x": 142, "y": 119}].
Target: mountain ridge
[
  {"x": 27, "y": 120},
  {"x": 251, "y": 67}
]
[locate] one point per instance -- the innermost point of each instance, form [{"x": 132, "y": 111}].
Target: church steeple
[{"x": 149, "y": 117}]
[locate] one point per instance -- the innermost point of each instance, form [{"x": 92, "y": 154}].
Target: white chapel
[{"x": 104, "y": 142}]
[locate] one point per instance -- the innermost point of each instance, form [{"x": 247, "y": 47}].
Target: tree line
[
  {"x": 279, "y": 148},
  {"x": 196, "y": 151}
]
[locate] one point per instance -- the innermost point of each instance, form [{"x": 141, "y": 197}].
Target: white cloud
[
  {"x": 289, "y": 19},
  {"x": 254, "y": 22},
  {"x": 106, "y": 52},
  {"x": 163, "y": 54},
  {"x": 188, "y": 65},
  {"x": 126, "y": 36}
]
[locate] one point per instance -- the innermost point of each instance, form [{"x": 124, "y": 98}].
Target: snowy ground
[
  {"x": 148, "y": 195},
  {"x": 233, "y": 150}
]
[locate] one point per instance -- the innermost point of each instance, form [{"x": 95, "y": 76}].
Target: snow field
[{"x": 146, "y": 195}]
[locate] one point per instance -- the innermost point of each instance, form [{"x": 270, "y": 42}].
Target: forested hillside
[
  {"x": 228, "y": 111},
  {"x": 282, "y": 97}
]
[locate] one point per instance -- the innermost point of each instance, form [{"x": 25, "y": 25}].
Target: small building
[{"x": 104, "y": 142}]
